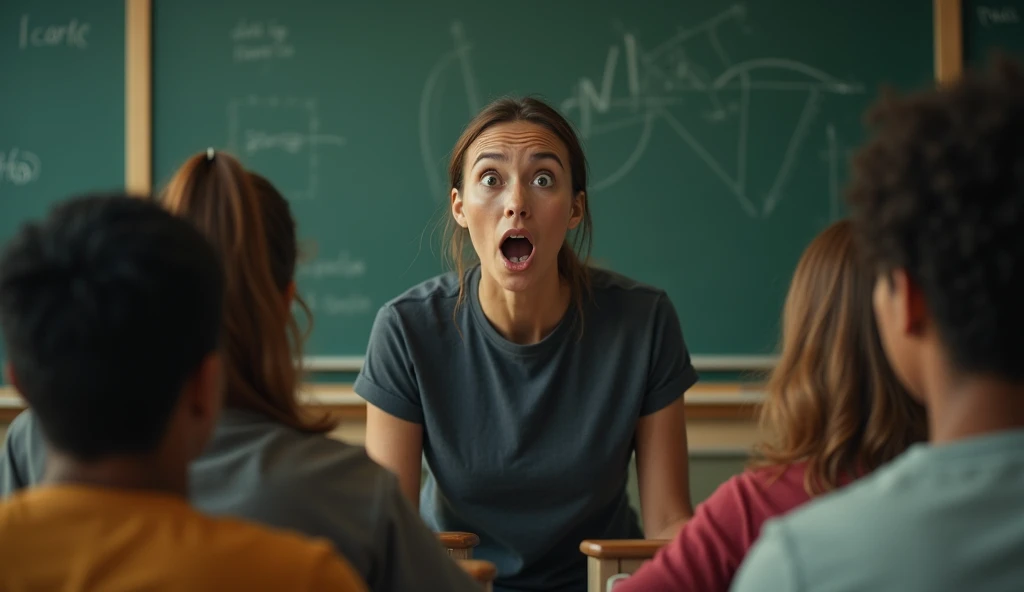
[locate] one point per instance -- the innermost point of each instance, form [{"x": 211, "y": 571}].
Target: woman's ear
[
  {"x": 457, "y": 213},
  {"x": 579, "y": 206}
]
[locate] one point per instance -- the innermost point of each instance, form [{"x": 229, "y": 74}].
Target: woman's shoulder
[
  {"x": 608, "y": 284},
  {"x": 442, "y": 288},
  {"x": 774, "y": 488},
  {"x": 290, "y": 457}
]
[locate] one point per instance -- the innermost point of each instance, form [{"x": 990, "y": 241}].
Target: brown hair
[
  {"x": 832, "y": 400},
  {"x": 250, "y": 224},
  {"x": 575, "y": 253}
]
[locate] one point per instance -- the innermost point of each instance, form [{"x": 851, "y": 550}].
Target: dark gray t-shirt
[
  {"x": 528, "y": 446},
  {"x": 260, "y": 470}
]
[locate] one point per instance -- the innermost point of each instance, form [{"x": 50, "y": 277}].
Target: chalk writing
[
  {"x": 298, "y": 138},
  {"x": 335, "y": 305},
  {"x": 1002, "y": 15},
  {"x": 344, "y": 265},
  {"x": 19, "y": 167},
  {"x": 261, "y": 41},
  {"x": 291, "y": 142},
  {"x": 71, "y": 34}
]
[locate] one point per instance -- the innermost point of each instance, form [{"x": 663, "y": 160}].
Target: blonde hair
[
  {"x": 833, "y": 401},
  {"x": 251, "y": 227}
]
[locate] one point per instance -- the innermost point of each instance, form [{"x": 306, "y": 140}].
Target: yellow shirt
[{"x": 74, "y": 538}]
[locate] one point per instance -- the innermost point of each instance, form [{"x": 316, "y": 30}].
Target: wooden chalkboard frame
[
  {"x": 949, "y": 40},
  {"x": 138, "y": 97}
]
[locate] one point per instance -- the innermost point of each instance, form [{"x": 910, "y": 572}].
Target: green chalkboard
[
  {"x": 717, "y": 132},
  {"x": 992, "y": 26},
  {"x": 61, "y": 104}
]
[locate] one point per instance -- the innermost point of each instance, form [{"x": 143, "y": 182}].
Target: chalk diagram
[
  {"x": 286, "y": 130},
  {"x": 658, "y": 83}
]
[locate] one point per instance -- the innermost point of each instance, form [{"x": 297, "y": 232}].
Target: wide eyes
[
  {"x": 491, "y": 179},
  {"x": 543, "y": 180}
]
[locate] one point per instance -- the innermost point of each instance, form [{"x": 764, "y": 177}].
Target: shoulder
[
  {"x": 623, "y": 303},
  {"x": 425, "y": 307},
  {"x": 759, "y": 493},
  {"x": 24, "y": 428},
  {"x": 442, "y": 289},
  {"x": 613, "y": 287},
  {"x": 300, "y": 466},
  {"x": 23, "y": 454}
]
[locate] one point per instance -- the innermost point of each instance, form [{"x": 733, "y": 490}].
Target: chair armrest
[
  {"x": 622, "y": 548},
  {"x": 459, "y": 544},
  {"x": 480, "y": 570}
]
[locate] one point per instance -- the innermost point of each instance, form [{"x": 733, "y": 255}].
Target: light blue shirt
[{"x": 936, "y": 519}]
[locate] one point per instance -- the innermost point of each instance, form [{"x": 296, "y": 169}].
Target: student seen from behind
[
  {"x": 938, "y": 202},
  {"x": 111, "y": 316},
  {"x": 833, "y": 407}
]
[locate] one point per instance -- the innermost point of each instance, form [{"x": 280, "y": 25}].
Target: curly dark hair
[{"x": 939, "y": 192}]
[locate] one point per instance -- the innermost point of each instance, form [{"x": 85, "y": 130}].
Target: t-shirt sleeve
[
  {"x": 412, "y": 553},
  {"x": 23, "y": 456},
  {"x": 707, "y": 551},
  {"x": 671, "y": 372},
  {"x": 328, "y": 571},
  {"x": 387, "y": 379},
  {"x": 769, "y": 564}
]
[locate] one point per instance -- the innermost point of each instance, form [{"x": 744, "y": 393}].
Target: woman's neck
[{"x": 525, "y": 317}]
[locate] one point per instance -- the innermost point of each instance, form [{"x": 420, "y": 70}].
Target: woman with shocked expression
[{"x": 525, "y": 378}]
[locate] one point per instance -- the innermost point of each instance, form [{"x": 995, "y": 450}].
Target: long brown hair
[
  {"x": 575, "y": 252},
  {"x": 832, "y": 400},
  {"x": 250, "y": 224}
]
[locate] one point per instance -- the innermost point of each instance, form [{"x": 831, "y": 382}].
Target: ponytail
[{"x": 237, "y": 211}]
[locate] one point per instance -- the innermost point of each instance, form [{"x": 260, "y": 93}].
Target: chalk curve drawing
[{"x": 658, "y": 80}]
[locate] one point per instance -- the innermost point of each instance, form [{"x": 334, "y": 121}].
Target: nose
[{"x": 516, "y": 204}]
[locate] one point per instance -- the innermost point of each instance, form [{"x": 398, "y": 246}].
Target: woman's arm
[
  {"x": 397, "y": 445},
  {"x": 662, "y": 466}
]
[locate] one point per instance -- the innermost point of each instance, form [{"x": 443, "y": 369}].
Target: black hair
[
  {"x": 939, "y": 193},
  {"x": 108, "y": 306}
]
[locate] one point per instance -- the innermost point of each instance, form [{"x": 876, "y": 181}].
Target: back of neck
[
  {"x": 975, "y": 406},
  {"x": 138, "y": 473}
]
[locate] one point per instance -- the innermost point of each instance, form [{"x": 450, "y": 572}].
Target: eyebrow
[
  {"x": 502, "y": 158},
  {"x": 491, "y": 155},
  {"x": 548, "y": 156}
]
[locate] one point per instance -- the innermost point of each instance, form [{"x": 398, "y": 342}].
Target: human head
[
  {"x": 545, "y": 195},
  {"x": 250, "y": 224},
  {"x": 937, "y": 197},
  {"x": 832, "y": 400},
  {"x": 111, "y": 314}
]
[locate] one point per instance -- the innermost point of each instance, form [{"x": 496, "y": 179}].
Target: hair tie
[{"x": 209, "y": 154}]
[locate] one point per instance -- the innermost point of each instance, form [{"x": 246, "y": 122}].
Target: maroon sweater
[{"x": 708, "y": 550}]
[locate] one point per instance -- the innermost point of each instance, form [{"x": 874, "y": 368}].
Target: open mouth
[{"x": 517, "y": 251}]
